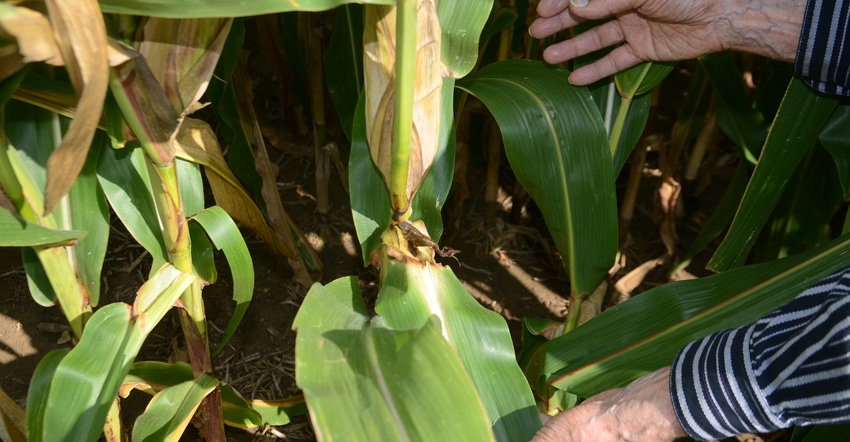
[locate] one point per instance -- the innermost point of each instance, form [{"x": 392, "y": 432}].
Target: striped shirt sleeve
[
  {"x": 791, "y": 367},
  {"x": 823, "y": 55}
]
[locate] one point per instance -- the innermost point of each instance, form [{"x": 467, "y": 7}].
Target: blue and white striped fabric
[
  {"x": 823, "y": 55},
  {"x": 792, "y": 367}
]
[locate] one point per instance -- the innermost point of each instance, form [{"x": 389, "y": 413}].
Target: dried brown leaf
[
  {"x": 33, "y": 33},
  {"x": 81, "y": 37},
  {"x": 182, "y": 55},
  {"x": 379, "y": 66},
  {"x": 278, "y": 218}
]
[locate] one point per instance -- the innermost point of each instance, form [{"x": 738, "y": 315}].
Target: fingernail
[{"x": 579, "y": 3}]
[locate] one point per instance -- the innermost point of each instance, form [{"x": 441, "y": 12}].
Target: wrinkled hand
[
  {"x": 668, "y": 30},
  {"x": 640, "y": 412}
]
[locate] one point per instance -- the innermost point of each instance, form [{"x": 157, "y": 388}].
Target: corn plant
[
  {"x": 127, "y": 138},
  {"x": 566, "y": 145},
  {"x": 114, "y": 130}
]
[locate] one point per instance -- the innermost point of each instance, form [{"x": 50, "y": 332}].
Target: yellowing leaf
[
  {"x": 379, "y": 66},
  {"x": 182, "y": 55},
  {"x": 81, "y": 36}
]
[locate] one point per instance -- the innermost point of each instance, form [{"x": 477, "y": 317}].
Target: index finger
[
  {"x": 546, "y": 26},
  {"x": 549, "y": 8}
]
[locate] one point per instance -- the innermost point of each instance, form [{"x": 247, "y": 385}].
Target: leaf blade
[
  {"x": 568, "y": 170},
  {"x": 342, "y": 357}
]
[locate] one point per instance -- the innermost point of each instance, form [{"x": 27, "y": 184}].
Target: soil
[{"x": 509, "y": 263}]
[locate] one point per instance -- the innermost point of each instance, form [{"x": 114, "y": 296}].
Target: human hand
[
  {"x": 640, "y": 412},
  {"x": 668, "y": 30}
]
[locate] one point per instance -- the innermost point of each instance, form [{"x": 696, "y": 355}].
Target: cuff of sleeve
[
  {"x": 821, "y": 59},
  {"x": 713, "y": 388}
]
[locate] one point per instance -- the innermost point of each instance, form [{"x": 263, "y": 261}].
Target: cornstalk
[
  {"x": 405, "y": 83},
  {"x": 162, "y": 167},
  {"x": 313, "y": 45}
]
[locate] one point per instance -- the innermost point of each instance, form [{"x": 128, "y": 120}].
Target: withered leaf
[
  {"x": 32, "y": 33},
  {"x": 182, "y": 55},
  {"x": 379, "y": 65},
  {"x": 81, "y": 37}
]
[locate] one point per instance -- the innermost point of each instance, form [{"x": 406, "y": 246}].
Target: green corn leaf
[
  {"x": 556, "y": 144},
  {"x": 415, "y": 292},
  {"x": 220, "y": 8},
  {"x": 94, "y": 370},
  {"x": 642, "y": 78},
  {"x": 227, "y": 238},
  {"x": 39, "y": 392},
  {"x": 500, "y": 19},
  {"x": 123, "y": 175},
  {"x": 633, "y": 127},
  {"x": 39, "y": 285},
  {"x": 633, "y": 85},
  {"x": 33, "y": 134},
  {"x": 18, "y": 232},
  {"x": 461, "y": 23},
  {"x": 644, "y": 333},
  {"x": 801, "y": 218},
  {"x": 278, "y": 412},
  {"x": 238, "y": 412},
  {"x": 365, "y": 381},
  {"x": 87, "y": 379},
  {"x": 370, "y": 203},
  {"x": 191, "y": 187},
  {"x": 737, "y": 118},
  {"x": 795, "y": 129},
  {"x": 158, "y": 295},
  {"x": 203, "y": 256},
  {"x": 170, "y": 411},
  {"x": 152, "y": 377},
  {"x": 114, "y": 122},
  {"x": 242, "y": 413},
  {"x": 344, "y": 64},
  {"x": 835, "y": 137},
  {"x": 89, "y": 211}
]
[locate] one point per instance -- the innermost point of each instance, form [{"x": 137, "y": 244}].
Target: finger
[
  {"x": 544, "y": 27},
  {"x": 618, "y": 60},
  {"x": 550, "y": 8},
  {"x": 593, "y": 39},
  {"x": 599, "y": 9}
]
